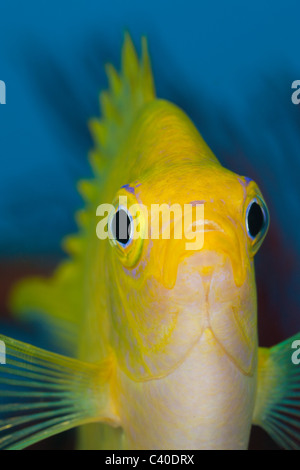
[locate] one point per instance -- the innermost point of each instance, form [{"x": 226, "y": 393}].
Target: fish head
[{"x": 186, "y": 262}]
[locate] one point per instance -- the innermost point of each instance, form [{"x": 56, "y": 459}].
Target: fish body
[
  {"x": 183, "y": 295},
  {"x": 166, "y": 350}
]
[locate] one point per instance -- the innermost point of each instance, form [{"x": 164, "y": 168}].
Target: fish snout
[{"x": 221, "y": 235}]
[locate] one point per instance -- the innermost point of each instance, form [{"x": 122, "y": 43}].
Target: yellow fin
[
  {"x": 43, "y": 394},
  {"x": 277, "y": 407},
  {"x": 128, "y": 91}
]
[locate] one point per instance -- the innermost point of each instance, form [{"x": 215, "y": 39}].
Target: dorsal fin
[
  {"x": 61, "y": 298},
  {"x": 127, "y": 93}
]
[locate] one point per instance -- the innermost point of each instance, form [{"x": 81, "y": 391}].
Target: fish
[{"x": 161, "y": 339}]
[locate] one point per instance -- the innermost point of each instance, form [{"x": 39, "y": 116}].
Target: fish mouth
[
  {"x": 228, "y": 311},
  {"x": 228, "y": 302},
  {"x": 231, "y": 294}
]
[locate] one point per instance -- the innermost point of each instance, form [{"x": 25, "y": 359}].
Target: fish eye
[
  {"x": 257, "y": 221},
  {"x": 122, "y": 227},
  {"x": 127, "y": 226}
]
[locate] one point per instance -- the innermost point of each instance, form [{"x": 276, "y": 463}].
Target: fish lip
[
  {"x": 208, "y": 224},
  {"x": 213, "y": 221},
  {"x": 225, "y": 226}
]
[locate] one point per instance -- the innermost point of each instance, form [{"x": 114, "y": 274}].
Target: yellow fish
[{"x": 163, "y": 339}]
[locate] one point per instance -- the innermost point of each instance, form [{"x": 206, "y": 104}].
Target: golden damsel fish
[{"x": 163, "y": 339}]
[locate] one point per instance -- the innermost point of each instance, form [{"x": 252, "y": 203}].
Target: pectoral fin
[
  {"x": 277, "y": 407},
  {"x": 42, "y": 394}
]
